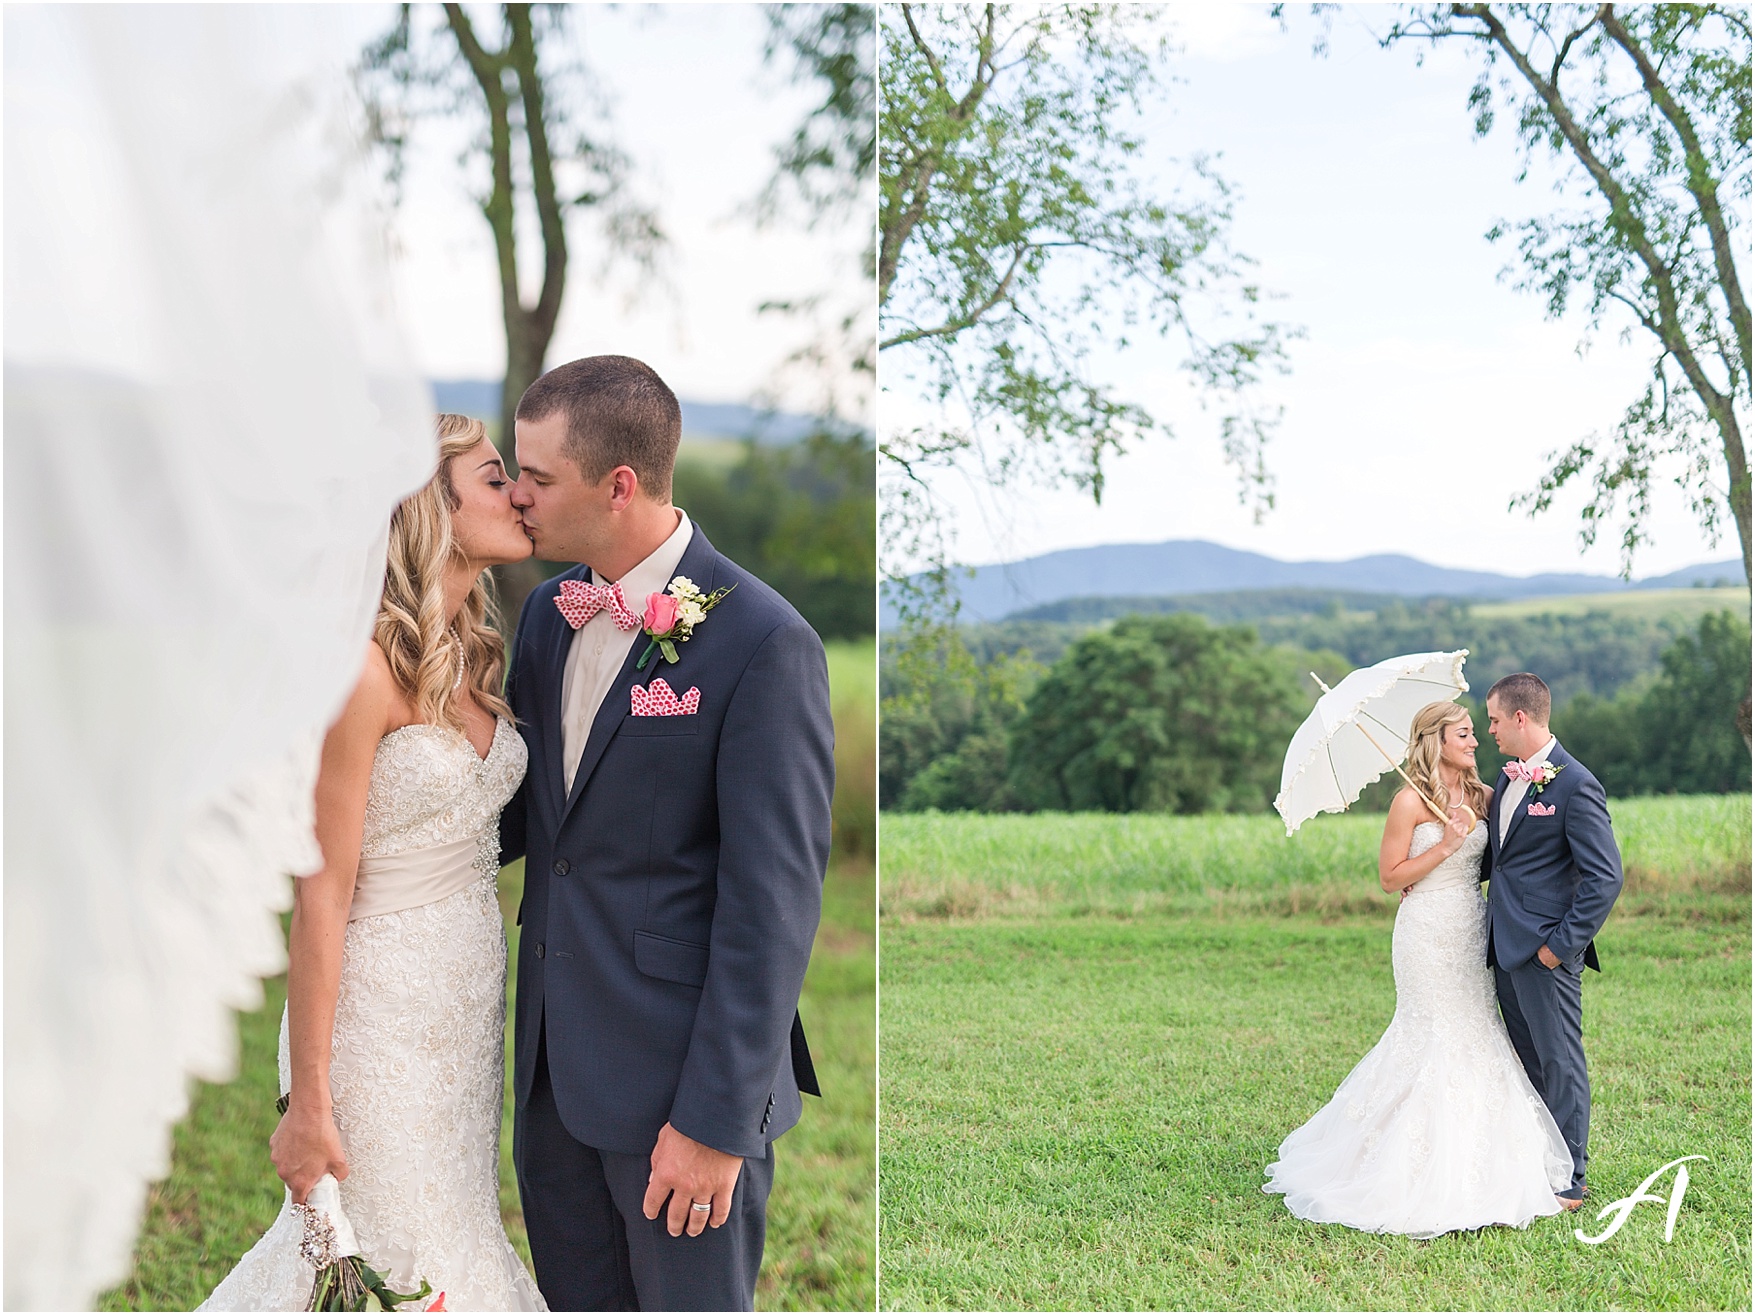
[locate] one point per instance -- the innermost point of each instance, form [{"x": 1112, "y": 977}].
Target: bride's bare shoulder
[
  {"x": 1405, "y": 805},
  {"x": 377, "y": 699}
]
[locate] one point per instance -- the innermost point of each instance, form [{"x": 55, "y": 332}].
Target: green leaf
[{"x": 669, "y": 650}]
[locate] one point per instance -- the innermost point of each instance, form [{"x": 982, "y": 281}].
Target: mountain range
[
  {"x": 481, "y": 398},
  {"x": 1194, "y": 566}
]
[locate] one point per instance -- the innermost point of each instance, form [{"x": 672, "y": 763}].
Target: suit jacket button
[
  {"x": 561, "y": 867},
  {"x": 539, "y": 949}
]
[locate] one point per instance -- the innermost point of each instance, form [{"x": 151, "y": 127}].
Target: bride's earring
[{"x": 458, "y": 640}]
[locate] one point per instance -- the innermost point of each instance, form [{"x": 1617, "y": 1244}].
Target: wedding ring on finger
[{"x": 700, "y": 1205}]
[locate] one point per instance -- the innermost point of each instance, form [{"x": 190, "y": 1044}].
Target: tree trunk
[
  {"x": 526, "y": 348},
  {"x": 528, "y": 329}
]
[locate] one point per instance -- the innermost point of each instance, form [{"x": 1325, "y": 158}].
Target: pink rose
[{"x": 660, "y": 614}]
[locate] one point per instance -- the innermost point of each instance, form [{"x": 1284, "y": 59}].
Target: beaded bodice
[
  {"x": 1462, "y": 868},
  {"x": 430, "y": 787}
]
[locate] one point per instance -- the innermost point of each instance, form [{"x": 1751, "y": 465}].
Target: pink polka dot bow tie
[
  {"x": 1521, "y": 771},
  {"x": 579, "y": 602}
]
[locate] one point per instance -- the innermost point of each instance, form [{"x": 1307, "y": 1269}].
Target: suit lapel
[
  {"x": 697, "y": 563},
  {"x": 1516, "y": 817},
  {"x": 1493, "y": 811},
  {"x": 559, "y": 649},
  {"x": 1556, "y": 758}
]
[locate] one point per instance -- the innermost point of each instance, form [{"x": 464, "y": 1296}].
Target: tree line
[{"x": 1174, "y": 713}]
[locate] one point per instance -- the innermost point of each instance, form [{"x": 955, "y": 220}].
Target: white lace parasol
[{"x": 1359, "y": 730}]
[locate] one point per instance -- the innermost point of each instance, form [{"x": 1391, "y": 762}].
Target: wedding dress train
[
  {"x": 1437, "y": 1128},
  {"x": 419, "y": 1049}
]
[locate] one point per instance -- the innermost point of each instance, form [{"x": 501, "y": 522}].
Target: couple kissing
[{"x": 659, "y": 751}]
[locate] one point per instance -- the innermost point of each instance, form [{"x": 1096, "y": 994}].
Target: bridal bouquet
[{"x": 344, "y": 1280}]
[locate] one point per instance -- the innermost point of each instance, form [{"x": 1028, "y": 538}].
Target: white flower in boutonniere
[
  {"x": 1538, "y": 776},
  {"x": 672, "y": 616}
]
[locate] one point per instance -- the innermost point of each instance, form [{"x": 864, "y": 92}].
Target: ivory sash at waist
[
  {"x": 1440, "y": 880},
  {"x": 412, "y": 878}
]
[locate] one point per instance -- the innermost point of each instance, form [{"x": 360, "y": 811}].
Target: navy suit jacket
[
  {"x": 1557, "y": 875},
  {"x": 671, "y": 899}
]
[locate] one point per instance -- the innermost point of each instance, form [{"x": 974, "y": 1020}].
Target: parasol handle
[{"x": 1437, "y": 812}]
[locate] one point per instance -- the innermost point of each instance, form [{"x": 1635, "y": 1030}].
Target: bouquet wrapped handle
[
  {"x": 344, "y": 1281},
  {"x": 329, "y": 1237}
]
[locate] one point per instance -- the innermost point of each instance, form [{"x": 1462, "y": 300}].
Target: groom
[
  {"x": 675, "y": 827},
  {"x": 1555, "y": 872}
]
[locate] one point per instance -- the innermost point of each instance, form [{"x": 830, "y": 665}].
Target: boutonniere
[
  {"x": 1537, "y": 777},
  {"x": 672, "y": 616}
]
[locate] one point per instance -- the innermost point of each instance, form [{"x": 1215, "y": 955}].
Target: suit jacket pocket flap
[
  {"x": 670, "y": 960},
  {"x": 684, "y": 724},
  {"x": 1550, "y": 904}
]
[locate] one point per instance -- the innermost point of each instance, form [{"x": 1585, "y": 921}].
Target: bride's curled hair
[
  {"x": 1426, "y": 747},
  {"x": 412, "y": 628}
]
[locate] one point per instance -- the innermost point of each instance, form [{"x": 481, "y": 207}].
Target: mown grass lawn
[{"x": 1079, "y": 1098}]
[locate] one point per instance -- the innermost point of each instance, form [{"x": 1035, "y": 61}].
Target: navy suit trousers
[
  {"x": 1544, "y": 1015},
  {"x": 590, "y": 1240}
]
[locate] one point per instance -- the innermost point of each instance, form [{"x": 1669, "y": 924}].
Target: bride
[
  {"x": 1438, "y": 1127},
  {"x": 392, "y": 1045}
]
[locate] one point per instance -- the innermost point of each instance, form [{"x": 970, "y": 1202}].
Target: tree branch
[
  {"x": 487, "y": 68},
  {"x": 971, "y": 318},
  {"x": 1621, "y": 209},
  {"x": 1700, "y": 181},
  {"x": 521, "y": 56},
  {"x": 938, "y": 72}
]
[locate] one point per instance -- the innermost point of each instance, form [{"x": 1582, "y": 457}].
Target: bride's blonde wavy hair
[
  {"x": 1426, "y": 747},
  {"x": 412, "y": 628}
]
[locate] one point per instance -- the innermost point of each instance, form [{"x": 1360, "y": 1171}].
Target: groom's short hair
[
  {"x": 619, "y": 413},
  {"x": 1522, "y": 691}
]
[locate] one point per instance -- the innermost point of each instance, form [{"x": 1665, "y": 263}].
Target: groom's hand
[
  {"x": 687, "y": 1171},
  {"x": 1547, "y": 958}
]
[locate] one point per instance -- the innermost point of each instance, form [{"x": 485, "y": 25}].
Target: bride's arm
[
  {"x": 1395, "y": 870},
  {"x": 306, "y": 1145}
]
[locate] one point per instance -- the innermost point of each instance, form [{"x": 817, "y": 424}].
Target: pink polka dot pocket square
[
  {"x": 661, "y": 701},
  {"x": 1536, "y": 810}
]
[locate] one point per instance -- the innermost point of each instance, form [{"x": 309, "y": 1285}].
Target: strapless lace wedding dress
[
  {"x": 1438, "y": 1127},
  {"x": 419, "y": 1057}
]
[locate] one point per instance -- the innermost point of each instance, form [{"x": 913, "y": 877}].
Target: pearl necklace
[{"x": 458, "y": 640}]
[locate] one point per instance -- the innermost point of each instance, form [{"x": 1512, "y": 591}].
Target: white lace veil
[{"x": 208, "y": 421}]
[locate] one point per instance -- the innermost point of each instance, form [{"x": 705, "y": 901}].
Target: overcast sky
[
  {"x": 699, "y": 114},
  {"x": 1426, "y": 391}
]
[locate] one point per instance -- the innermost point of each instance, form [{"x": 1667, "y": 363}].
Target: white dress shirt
[
  {"x": 1515, "y": 790},
  {"x": 599, "y": 649}
]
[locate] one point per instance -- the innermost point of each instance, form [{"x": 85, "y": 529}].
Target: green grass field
[
  {"x": 821, "y": 1251},
  {"x": 1691, "y": 853},
  {"x": 1097, "y": 1030},
  {"x": 1689, "y": 604}
]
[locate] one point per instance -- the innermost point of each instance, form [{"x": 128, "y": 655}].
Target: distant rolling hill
[
  {"x": 1191, "y": 566},
  {"x": 481, "y": 398}
]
